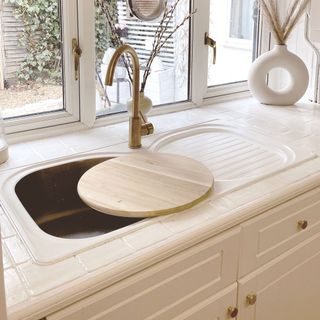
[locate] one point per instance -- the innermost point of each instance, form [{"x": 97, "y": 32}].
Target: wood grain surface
[{"x": 145, "y": 184}]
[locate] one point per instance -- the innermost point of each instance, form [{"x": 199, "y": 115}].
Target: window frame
[
  {"x": 159, "y": 109},
  {"x": 70, "y": 113},
  {"x": 229, "y": 24},
  {"x": 230, "y": 90},
  {"x": 78, "y": 22}
]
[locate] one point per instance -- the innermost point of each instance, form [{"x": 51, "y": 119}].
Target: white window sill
[{"x": 56, "y": 130}]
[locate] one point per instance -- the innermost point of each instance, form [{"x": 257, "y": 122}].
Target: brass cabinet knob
[
  {"x": 251, "y": 299},
  {"x": 302, "y": 224},
  {"x": 233, "y": 312}
]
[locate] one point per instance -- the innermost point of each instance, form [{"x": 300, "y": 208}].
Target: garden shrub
[
  {"x": 41, "y": 39},
  {"x": 103, "y": 36}
]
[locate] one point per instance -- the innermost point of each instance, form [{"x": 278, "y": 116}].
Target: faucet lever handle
[{"x": 147, "y": 128}]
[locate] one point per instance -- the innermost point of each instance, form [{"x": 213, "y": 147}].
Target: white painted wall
[
  {"x": 298, "y": 45},
  {"x": 315, "y": 21}
]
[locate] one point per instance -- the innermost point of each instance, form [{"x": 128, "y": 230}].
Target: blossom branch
[
  {"x": 160, "y": 37},
  {"x": 115, "y": 38}
]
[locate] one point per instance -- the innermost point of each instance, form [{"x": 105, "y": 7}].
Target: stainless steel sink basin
[
  {"x": 50, "y": 197},
  {"x": 43, "y": 204}
]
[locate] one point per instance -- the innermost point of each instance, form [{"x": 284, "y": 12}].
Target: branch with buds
[
  {"x": 115, "y": 36},
  {"x": 161, "y": 36}
]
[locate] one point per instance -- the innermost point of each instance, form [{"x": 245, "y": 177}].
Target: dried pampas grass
[{"x": 282, "y": 30}]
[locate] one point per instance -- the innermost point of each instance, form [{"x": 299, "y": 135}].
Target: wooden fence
[{"x": 11, "y": 52}]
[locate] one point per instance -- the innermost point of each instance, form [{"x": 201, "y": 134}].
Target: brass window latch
[
  {"x": 211, "y": 43},
  {"x": 76, "y": 52}
]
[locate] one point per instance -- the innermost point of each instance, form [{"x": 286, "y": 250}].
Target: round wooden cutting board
[{"x": 145, "y": 184}]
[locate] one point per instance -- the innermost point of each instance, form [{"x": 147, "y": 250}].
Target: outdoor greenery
[
  {"x": 41, "y": 38},
  {"x": 103, "y": 36}
]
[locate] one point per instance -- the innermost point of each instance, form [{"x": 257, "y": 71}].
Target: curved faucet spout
[
  {"x": 136, "y": 72},
  {"x": 136, "y": 129}
]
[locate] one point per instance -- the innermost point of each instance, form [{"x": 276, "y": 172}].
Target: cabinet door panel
[
  {"x": 276, "y": 231},
  {"x": 166, "y": 289},
  {"x": 214, "y": 308},
  {"x": 286, "y": 288}
]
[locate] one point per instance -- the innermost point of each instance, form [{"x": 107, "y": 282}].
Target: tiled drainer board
[{"x": 229, "y": 154}]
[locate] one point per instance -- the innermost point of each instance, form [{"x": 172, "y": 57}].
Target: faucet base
[{"x": 135, "y": 132}]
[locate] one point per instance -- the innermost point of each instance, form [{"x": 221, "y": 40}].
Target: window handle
[
  {"x": 211, "y": 43},
  {"x": 76, "y": 52}
]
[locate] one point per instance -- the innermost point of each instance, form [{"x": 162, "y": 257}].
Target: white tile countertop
[{"x": 35, "y": 290}]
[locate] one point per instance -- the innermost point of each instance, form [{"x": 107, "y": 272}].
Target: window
[
  {"x": 232, "y": 26},
  {"x": 38, "y": 83},
  {"x": 168, "y": 81},
  {"x": 34, "y": 68},
  {"x": 241, "y": 19}
]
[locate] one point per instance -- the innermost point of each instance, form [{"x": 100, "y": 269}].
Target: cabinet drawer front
[
  {"x": 166, "y": 289},
  {"x": 278, "y": 230}
]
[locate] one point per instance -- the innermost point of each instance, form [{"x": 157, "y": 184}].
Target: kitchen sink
[
  {"x": 50, "y": 197},
  {"x": 48, "y": 213},
  {"x": 43, "y": 204}
]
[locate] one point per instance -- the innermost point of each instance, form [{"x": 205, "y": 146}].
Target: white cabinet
[
  {"x": 273, "y": 258},
  {"x": 166, "y": 290},
  {"x": 287, "y": 288},
  {"x": 272, "y": 233},
  {"x": 280, "y": 262}
]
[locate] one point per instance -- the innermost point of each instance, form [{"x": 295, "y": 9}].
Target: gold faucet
[{"x": 136, "y": 127}]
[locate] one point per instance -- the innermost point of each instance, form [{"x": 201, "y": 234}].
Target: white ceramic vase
[
  {"x": 145, "y": 104},
  {"x": 278, "y": 57}
]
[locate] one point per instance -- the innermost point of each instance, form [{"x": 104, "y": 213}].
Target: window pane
[
  {"x": 168, "y": 81},
  {"x": 241, "y": 23},
  {"x": 232, "y": 26},
  {"x": 30, "y": 57}
]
